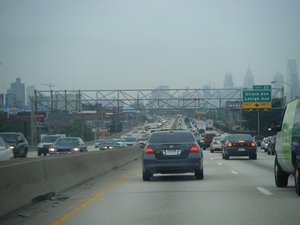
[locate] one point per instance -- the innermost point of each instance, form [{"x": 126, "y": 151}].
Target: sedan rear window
[
  {"x": 171, "y": 137},
  {"x": 236, "y": 137}
]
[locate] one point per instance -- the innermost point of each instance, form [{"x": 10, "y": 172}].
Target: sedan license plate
[
  {"x": 241, "y": 149},
  {"x": 172, "y": 152}
]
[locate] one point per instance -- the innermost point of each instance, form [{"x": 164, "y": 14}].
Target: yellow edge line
[{"x": 71, "y": 213}]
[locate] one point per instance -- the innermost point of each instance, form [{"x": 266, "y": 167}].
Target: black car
[
  {"x": 271, "y": 146},
  {"x": 174, "y": 151},
  {"x": 46, "y": 142},
  {"x": 239, "y": 145},
  {"x": 107, "y": 144},
  {"x": 17, "y": 142},
  {"x": 68, "y": 145},
  {"x": 207, "y": 139},
  {"x": 258, "y": 139}
]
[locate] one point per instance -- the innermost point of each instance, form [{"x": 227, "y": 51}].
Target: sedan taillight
[
  {"x": 194, "y": 149},
  {"x": 148, "y": 150},
  {"x": 229, "y": 144},
  {"x": 253, "y": 144}
]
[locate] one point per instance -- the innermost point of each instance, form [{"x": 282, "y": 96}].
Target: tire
[
  {"x": 22, "y": 152},
  {"x": 281, "y": 177},
  {"x": 212, "y": 151},
  {"x": 226, "y": 156},
  {"x": 297, "y": 180},
  {"x": 146, "y": 175},
  {"x": 39, "y": 154},
  {"x": 199, "y": 174},
  {"x": 253, "y": 157}
]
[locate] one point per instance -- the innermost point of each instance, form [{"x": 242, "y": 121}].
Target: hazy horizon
[{"x": 139, "y": 44}]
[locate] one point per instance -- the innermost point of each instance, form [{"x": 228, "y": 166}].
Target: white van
[{"x": 287, "y": 147}]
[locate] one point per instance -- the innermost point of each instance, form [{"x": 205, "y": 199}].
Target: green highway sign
[
  {"x": 262, "y": 87},
  {"x": 257, "y": 98}
]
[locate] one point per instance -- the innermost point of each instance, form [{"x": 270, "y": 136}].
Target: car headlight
[
  {"x": 52, "y": 149},
  {"x": 76, "y": 149},
  {"x": 12, "y": 147}
]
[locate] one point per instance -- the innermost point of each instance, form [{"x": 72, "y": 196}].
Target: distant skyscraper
[
  {"x": 29, "y": 94},
  {"x": 248, "y": 80},
  {"x": 228, "y": 82},
  {"x": 1, "y": 100},
  {"x": 17, "y": 89},
  {"x": 292, "y": 79},
  {"x": 278, "y": 83}
]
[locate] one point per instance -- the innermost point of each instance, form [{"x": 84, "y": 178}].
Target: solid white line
[
  {"x": 220, "y": 164},
  {"x": 264, "y": 191},
  {"x": 234, "y": 172}
]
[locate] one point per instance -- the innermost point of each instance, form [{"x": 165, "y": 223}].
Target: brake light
[
  {"x": 253, "y": 144},
  {"x": 194, "y": 149},
  {"x": 229, "y": 144},
  {"x": 148, "y": 150}
]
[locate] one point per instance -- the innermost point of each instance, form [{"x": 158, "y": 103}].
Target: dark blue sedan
[
  {"x": 172, "y": 151},
  {"x": 239, "y": 145}
]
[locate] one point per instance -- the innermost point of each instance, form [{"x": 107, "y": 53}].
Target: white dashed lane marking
[{"x": 264, "y": 191}]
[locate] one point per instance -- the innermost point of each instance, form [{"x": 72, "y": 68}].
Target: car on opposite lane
[
  {"x": 239, "y": 145},
  {"x": 5, "y": 151},
  {"x": 68, "y": 145},
  {"x": 17, "y": 142},
  {"x": 108, "y": 144},
  {"x": 172, "y": 152},
  {"x": 46, "y": 142}
]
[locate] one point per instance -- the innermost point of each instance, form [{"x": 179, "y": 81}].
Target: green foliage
[
  {"x": 115, "y": 127},
  {"x": 76, "y": 129},
  {"x": 7, "y": 125}
]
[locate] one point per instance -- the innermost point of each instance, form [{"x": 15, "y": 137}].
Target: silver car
[{"x": 5, "y": 151}]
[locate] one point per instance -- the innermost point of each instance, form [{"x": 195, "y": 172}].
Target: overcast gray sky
[{"x": 122, "y": 44}]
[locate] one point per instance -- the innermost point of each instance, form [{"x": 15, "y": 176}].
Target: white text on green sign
[{"x": 257, "y": 96}]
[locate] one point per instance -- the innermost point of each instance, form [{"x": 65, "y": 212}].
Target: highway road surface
[{"x": 238, "y": 191}]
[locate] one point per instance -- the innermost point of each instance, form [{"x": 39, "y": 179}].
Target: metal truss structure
[
  {"x": 139, "y": 99},
  {"x": 154, "y": 101}
]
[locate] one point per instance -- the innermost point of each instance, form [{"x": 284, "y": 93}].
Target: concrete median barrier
[{"x": 22, "y": 182}]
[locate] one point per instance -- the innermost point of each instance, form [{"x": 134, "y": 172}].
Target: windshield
[
  {"x": 2, "y": 143},
  {"x": 49, "y": 139},
  {"x": 67, "y": 142},
  {"x": 9, "y": 138}
]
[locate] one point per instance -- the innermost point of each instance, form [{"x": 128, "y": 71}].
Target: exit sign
[{"x": 262, "y": 87}]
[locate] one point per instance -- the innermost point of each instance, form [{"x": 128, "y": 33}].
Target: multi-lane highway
[{"x": 234, "y": 192}]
